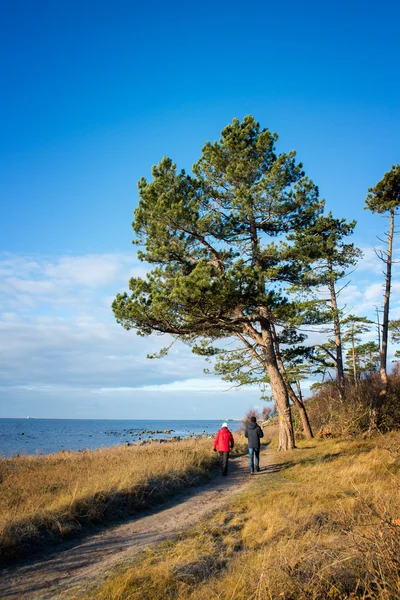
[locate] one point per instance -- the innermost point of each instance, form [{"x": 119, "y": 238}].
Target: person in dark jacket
[
  {"x": 254, "y": 433},
  {"x": 224, "y": 442}
]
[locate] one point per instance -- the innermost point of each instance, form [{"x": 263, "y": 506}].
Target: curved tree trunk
[
  {"x": 292, "y": 395},
  {"x": 279, "y": 392},
  {"x": 267, "y": 357},
  {"x": 286, "y": 433},
  {"x": 300, "y": 407},
  {"x": 304, "y": 420}
]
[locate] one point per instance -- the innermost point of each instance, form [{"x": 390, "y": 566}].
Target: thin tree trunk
[
  {"x": 353, "y": 354},
  {"x": 379, "y": 329},
  {"x": 308, "y": 433},
  {"x": 298, "y": 403},
  {"x": 293, "y": 397},
  {"x": 338, "y": 339},
  {"x": 299, "y": 394},
  {"x": 379, "y": 401}
]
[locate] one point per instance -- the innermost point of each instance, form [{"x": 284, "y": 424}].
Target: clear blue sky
[{"x": 94, "y": 93}]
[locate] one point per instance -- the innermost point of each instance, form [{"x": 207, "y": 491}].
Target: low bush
[{"x": 329, "y": 415}]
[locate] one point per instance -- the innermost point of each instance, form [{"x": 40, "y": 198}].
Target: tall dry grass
[
  {"x": 320, "y": 522},
  {"x": 50, "y": 497}
]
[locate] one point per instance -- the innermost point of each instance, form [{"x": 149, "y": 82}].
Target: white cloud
[
  {"x": 66, "y": 281},
  {"x": 59, "y": 338},
  {"x": 91, "y": 271},
  {"x": 51, "y": 389},
  {"x": 372, "y": 297},
  {"x": 371, "y": 263},
  {"x": 349, "y": 297},
  {"x": 373, "y": 293},
  {"x": 195, "y": 385}
]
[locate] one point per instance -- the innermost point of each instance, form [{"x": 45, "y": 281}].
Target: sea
[{"x": 45, "y": 436}]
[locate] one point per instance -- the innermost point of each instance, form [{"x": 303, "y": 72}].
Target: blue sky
[{"x": 93, "y": 94}]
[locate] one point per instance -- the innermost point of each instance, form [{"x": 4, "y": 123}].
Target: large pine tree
[{"x": 216, "y": 239}]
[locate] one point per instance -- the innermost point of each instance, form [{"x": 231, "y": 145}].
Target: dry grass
[
  {"x": 323, "y": 523},
  {"x": 50, "y": 497},
  {"x": 332, "y": 417}
]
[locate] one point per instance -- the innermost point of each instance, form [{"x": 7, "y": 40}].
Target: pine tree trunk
[
  {"x": 279, "y": 392},
  {"x": 338, "y": 339},
  {"x": 286, "y": 433},
  {"x": 378, "y": 328},
  {"x": 353, "y": 351},
  {"x": 297, "y": 402},
  {"x": 293, "y": 397},
  {"x": 305, "y": 421},
  {"x": 375, "y": 415},
  {"x": 300, "y": 407}
]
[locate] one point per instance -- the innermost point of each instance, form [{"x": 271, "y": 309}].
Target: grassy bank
[
  {"x": 321, "y": 522},
  {"x": 47, "y": 498}
]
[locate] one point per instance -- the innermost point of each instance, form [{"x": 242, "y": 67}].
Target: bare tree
[{"x": 384, "y": 198}]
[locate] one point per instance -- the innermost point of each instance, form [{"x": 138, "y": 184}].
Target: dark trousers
[
  {"x": 254, "y": 453},
  {"x": 224, "y": 457}
]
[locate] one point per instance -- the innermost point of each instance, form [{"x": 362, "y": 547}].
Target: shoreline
[{"x": 34, "y": 437}]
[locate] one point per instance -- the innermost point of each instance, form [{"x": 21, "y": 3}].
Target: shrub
[{"x": 329, "y": 415}]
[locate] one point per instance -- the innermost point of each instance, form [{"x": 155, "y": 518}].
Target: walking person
[
  {"x": 224, "y": 442},
  {"x": 254, "y": 433}
]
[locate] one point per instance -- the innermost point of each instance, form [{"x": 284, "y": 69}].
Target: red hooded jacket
[{"x": 224, "y": 440}]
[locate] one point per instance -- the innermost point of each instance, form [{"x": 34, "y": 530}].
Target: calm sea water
[{"x": 42, "y": 436}]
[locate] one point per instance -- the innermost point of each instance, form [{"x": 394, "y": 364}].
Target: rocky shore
[{"x": 140, "y": 437}]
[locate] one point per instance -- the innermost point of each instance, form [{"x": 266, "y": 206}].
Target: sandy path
[{"x": 75, "y": 566}]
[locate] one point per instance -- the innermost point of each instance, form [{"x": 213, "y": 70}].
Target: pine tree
[
  {"x": 364, "y": 359},
  {"x": 324, "y": 246},
  {"x": 353, "y": 328},
  {"x": 216, "y": 240},
  {"x": 384, "y": 198}
]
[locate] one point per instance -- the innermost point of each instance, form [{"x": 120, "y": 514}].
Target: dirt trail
[{"x": 74, "y": 566}]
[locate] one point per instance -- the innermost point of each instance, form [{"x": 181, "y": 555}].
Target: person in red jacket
[{"x": 224, "y": 442}]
